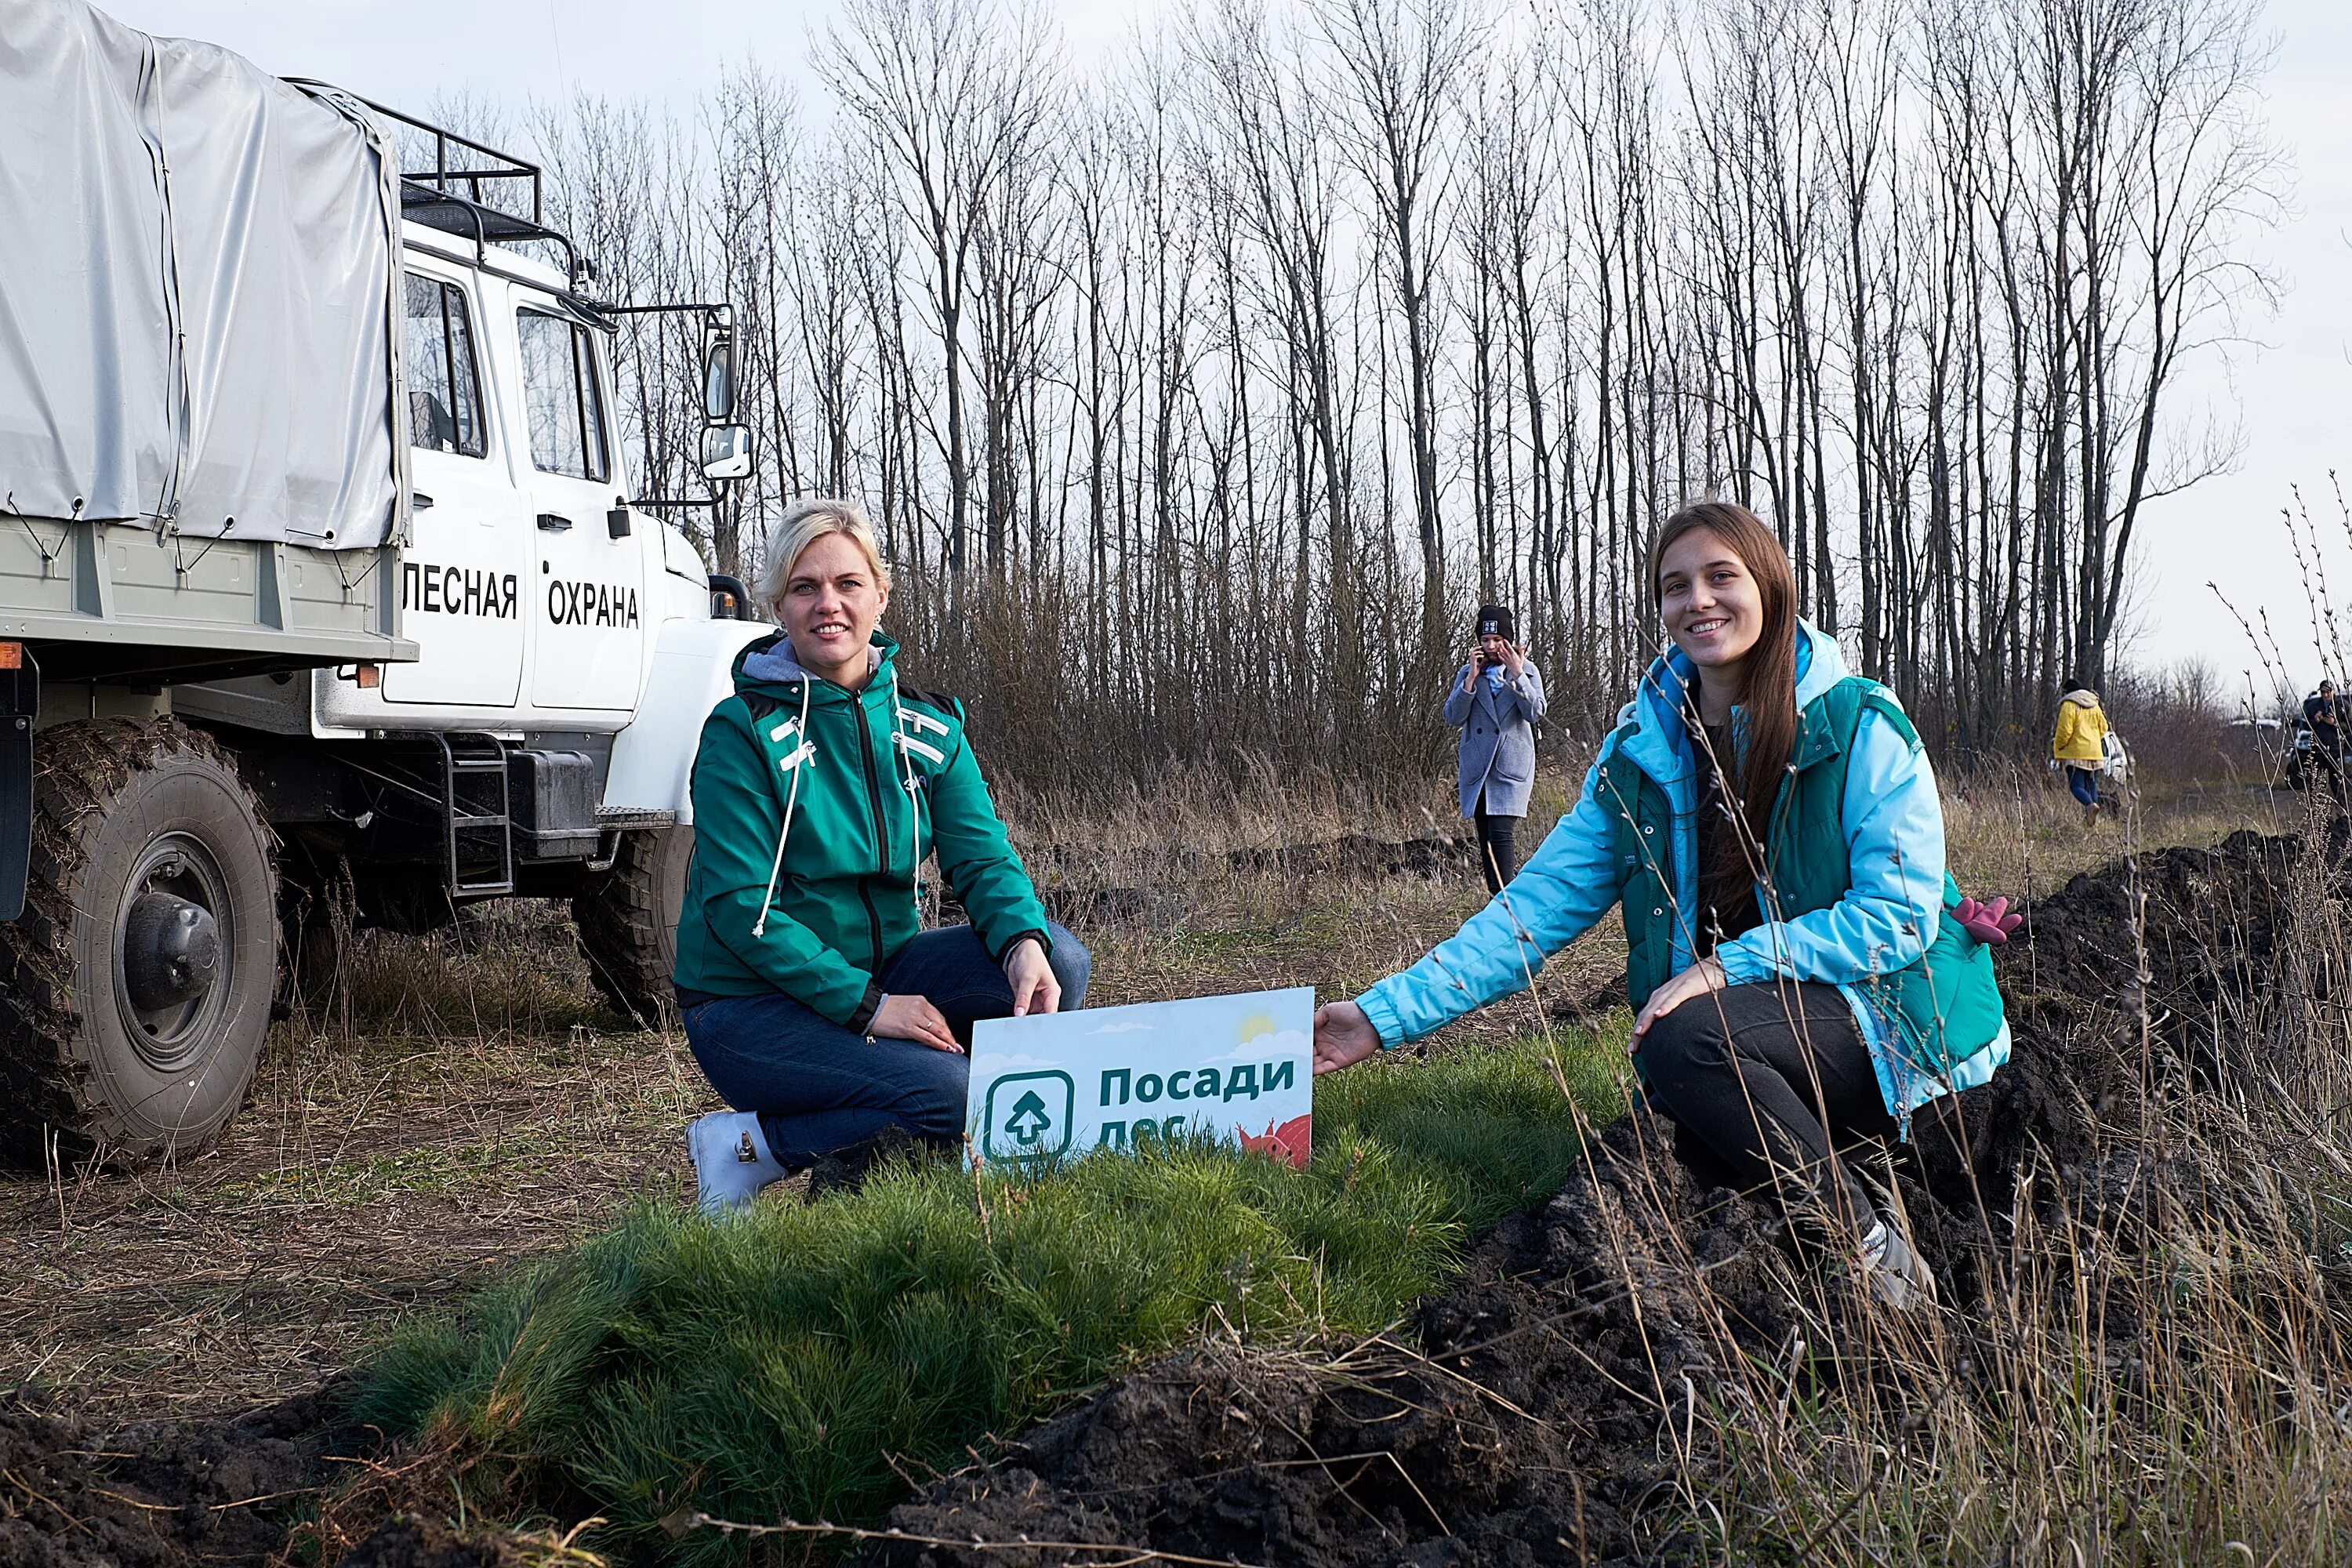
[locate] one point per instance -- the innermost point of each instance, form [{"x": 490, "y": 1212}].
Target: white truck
[{"x": 326, "y": 597}]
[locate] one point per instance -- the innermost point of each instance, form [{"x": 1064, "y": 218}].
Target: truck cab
[{"x": 532, "y": 584}]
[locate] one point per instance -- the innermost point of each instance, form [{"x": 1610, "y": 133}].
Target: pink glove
[{"x": 1989, "y": 922}]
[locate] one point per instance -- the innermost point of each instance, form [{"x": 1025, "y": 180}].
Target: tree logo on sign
[{"x": 1029, "y": 1116}]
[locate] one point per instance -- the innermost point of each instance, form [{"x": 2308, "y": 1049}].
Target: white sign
[{"x": 1065, "y": 1084}]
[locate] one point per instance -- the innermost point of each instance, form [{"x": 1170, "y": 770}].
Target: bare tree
[
  {"x": 951, "y": 92},
  {"x": 1401, "y": 66}
]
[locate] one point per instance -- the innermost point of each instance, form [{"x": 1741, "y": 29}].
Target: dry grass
[
  {"x": 460, "y": 1111},
  {"x": 468, "y": 1102},
  {"x": 1203, "y": 886},
  {"x": 2017, "y": 831}
]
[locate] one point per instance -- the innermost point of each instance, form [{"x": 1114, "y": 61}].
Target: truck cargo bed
[{"x": 114, "y": 600}]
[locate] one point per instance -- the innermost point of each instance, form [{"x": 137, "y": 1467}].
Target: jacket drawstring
[
  {"x": 914, "y": 799},
  {"x": 806, "y": 752}
]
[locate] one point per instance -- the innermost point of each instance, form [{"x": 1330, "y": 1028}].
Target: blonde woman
[{"x": 815, "y": 1003}]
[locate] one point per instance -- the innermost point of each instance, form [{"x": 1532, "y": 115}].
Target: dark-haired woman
[
  {"x": 1799, "y": 968},
  {"x": 1496, "y": 699}
]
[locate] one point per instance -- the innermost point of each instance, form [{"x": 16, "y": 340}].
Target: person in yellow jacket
[{"x": 2080, "y": 746}]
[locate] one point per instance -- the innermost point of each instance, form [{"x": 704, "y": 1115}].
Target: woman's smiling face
[
  {"x": 1714, "y": 609},
  {"x": 831, "y": 605}
]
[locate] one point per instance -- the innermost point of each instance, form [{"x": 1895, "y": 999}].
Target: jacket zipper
[{"x": 881, "y": 832}]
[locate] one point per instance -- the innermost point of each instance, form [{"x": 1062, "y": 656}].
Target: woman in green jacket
[
  {"x": 815, "y": 1003},
  {"x": 1803, "y": 972}
]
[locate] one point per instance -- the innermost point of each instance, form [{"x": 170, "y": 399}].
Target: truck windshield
[
  {"x": 567, "y": 411},
  {"x": 444, "y": 390}
]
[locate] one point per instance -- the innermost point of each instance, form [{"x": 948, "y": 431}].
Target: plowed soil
[
  {"x": 153, "y": 1495},
  {"x": 1536, "y": 1414}
]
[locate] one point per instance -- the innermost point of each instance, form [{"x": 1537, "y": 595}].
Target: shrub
[{"x": 810, "y": 1359}]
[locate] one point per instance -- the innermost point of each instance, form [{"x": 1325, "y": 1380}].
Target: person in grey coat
[{"x": 1495, "y": 701}]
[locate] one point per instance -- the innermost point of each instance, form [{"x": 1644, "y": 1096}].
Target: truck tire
[
  {"x": 139, "y": 978},
  {"x": 628, "y": 918}
]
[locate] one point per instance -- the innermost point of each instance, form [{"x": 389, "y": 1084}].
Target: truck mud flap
[{"x": 20, "y": 704}]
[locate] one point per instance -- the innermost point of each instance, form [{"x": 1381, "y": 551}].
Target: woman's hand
[
  {"x": 1514, "y": 661},
  {"x": 1343, "y": 1036},
  {"x": 1034, "y": 989},
  {"x": 1989, "y": 922},
  {"x": 913, "y": 1018},
  {"x": 1698, "y": 980}
]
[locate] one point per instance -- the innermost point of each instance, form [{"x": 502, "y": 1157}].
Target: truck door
[
  {"x": 464, "y": 577},
  {"x": 587, "y": 613}
]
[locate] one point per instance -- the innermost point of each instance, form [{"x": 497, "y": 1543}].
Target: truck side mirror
[
  {"x": 719, "y": 366},
  {"x": 726, "y": 453}
]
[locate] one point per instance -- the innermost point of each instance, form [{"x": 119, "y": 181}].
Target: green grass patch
[
  {"x": 414, "y": 1172},
  {"x": 803, "y": 1361}
]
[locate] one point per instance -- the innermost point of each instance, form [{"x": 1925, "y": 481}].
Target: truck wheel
[
  {"x": 139, "y": 977},
  {"x": 629, "y": 924}
]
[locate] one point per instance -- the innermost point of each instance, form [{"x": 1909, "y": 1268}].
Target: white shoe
[
  {"x": 732, "y": 1161},
  {"x": 1899, "y": 1277}
]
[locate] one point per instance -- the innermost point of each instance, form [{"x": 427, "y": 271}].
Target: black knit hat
[{"x": 1495, "y": 621}]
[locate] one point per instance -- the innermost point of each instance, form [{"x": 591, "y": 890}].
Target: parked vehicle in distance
[{"x": 2298, "y": 761}]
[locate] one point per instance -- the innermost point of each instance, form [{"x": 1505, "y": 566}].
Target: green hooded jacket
[{"x": 815, "y": 809}]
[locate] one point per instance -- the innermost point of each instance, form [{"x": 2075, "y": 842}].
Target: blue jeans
[
  {"x": 2084, "y": 783},
  {"x": 819, "y": 1087}
]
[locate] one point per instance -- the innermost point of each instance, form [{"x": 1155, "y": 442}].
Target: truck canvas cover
[{"x": 196, "y": 290}]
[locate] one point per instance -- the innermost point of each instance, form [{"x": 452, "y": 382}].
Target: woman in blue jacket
[{"x": 1801, "y": 970}]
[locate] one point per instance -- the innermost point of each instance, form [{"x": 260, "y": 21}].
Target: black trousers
[
  {"x": 2331, "y": 769},
  {"x": 1764, "y": 1080},
  {"x": 1498, "y": 845}
]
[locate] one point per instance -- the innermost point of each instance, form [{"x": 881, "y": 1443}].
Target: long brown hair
[{"x": 1766, "y": 699}]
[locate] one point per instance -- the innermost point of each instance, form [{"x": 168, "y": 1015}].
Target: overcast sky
[{"x": 2289, "y": 390}]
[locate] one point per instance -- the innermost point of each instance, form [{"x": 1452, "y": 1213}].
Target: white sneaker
[
  {"x": 731, "y": 1161},
  {"x": 1899, "y": 1277}
]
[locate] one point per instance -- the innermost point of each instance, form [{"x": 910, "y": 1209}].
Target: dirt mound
[
  {"x": 155, "y": 1495},
  {"x": 219, "y": 1494},
  {"x": 1523, "y": 1427},
  {"x": 1540, "y": 1412},
  {"x": 1361, "y": 856},
  {"x": 408, "y": 1543},
  {"x": 2122, "y": 978}
]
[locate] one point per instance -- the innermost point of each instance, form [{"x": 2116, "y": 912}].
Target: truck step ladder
[{"x": 480, "y": 843}]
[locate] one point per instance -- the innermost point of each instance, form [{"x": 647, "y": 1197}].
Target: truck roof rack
[
  {"x": 470, "y": 219},
  {"x": 449, "y": 194},
  {"x": 503, "y": 169}
]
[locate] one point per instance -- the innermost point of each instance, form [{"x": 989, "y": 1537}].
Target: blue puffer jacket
[{"x": 1893, "y": 826}]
